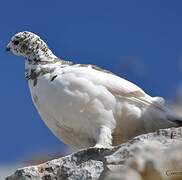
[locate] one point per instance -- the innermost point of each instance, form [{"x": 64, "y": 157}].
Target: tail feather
[
  {"x": 176, "y": 119},
  {"x": 178, "y": 122}
]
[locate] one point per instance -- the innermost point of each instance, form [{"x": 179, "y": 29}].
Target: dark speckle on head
[{"x": 16, "y": 42}]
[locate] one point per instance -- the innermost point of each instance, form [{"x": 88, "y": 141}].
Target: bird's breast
[{"x": 72, "y": 105}]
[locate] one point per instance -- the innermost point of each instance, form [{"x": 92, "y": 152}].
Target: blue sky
[{"x": 139, "y": 40}]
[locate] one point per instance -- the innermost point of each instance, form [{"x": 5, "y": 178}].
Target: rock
[{"x": 153, "y": 156}]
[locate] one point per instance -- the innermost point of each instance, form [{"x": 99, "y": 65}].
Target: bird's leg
[{"x": 104, "y": 137}]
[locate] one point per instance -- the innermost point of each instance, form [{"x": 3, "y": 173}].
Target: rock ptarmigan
[{"x": 84, "y": 105}]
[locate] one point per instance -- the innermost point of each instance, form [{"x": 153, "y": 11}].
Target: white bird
[{"x": 84, "y": 105}]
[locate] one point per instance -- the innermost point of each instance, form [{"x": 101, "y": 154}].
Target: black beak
[{"x": 7, "y": 48}]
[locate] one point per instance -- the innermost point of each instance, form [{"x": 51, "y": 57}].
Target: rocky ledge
[{"x": 150, "y": 156}]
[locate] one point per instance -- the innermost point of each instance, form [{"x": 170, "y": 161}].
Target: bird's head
[{"x": 30, "y": 46}]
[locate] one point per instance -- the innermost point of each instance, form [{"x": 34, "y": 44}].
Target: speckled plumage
[{"x": 84, "y": 105}]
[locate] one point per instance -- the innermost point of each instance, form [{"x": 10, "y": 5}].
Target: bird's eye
[{"x": 16, "y": 42}]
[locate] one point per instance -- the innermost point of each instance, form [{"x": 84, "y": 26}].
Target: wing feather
[{"x": 117, "y": 86}]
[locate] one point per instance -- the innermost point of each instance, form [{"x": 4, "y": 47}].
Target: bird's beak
[{"x": 8, "y": 47}]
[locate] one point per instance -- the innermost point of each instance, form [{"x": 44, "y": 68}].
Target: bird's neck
[
  {"x": 33, "y": 70},
  {"x": 43, "y": 64},
  {"x": 40, "y": 62},
  {"x": 41, "y": 55}
]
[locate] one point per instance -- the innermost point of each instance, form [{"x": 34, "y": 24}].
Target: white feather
[
  {"x": 84, "y": 105},
  {"x": 81, "y": 100}
]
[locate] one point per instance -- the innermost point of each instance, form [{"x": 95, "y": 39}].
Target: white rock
[{"x": 154, "y": 156}]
